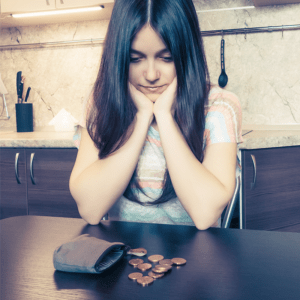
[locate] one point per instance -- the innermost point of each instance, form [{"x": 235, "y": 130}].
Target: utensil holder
[{"x": 24, "y": 117}]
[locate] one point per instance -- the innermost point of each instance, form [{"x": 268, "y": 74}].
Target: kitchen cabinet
[
  {"x": 44, "y": 189},
  {"x": 23, "y": 6},
  {"x": 20, "y": 6},
  {"x": 270, "y": 193},
  {"x": 48, "y": 173},
  {"x": 80, "y": 3},
  {"x": 13, "y": 183},
  {"x": 274, "y": 2}
]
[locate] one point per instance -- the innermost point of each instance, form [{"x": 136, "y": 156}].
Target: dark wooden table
[{"x": 221, "y": 263}]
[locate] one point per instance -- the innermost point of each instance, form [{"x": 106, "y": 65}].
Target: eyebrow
[{"x": 161, "y": 52}]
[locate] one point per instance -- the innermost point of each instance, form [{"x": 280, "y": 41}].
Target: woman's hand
[
  {"x": 164, "y": 104},
  {"x": 143, "y": 104}
]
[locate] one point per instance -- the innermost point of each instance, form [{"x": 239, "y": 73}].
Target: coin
[
  {"x": 165, "y": 262},
  {"x": 155, "y": 275},
  {"x": 135, "y": 262},
  {"x": 161, "y": 268},
  {"x": 135, "y": 276},
  {"x": 178, "y": 261},
  {"x": 144, "y": 267},
  {"x": 146, "y": 280},
  {"x": 155, "y": 258},
  {"x": 159, "y": 271},
  {"x": 137, "y": 251}
]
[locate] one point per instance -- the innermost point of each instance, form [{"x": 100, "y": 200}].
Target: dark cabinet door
[
  {"x": 48, "y": 173},
  {"x": 271, "y": 188},
  {"x": 13, "y": 184}
]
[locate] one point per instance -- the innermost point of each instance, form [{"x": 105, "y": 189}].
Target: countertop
[{"x": 255, "y": 137}]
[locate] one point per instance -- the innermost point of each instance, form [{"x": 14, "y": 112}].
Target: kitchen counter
[
  {"x": 270, "y": 136},
  {"x": 255, "y": 137},
  {"x": 37, "y": 139}
]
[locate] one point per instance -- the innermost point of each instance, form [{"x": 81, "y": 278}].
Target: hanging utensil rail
[
  {"x": 248, "y": 30},
  {"x": 221, "y": 32}
]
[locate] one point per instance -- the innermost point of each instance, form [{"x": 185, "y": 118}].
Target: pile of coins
[{"x": 161, "y": 267}]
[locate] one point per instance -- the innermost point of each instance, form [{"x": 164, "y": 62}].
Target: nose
[{"x": 151, "y": 74}]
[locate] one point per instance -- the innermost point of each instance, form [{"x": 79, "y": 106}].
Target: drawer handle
[
  {"x": 47, "y": 1},
  {"x": 31, "y": 168},
  {"x": 62, "y": 1},
  {"x": 254, "y": 175},
  {"x": 16, "y": 168}
]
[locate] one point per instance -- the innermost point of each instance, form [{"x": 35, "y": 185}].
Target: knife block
[{"x": 24, "y": 117}]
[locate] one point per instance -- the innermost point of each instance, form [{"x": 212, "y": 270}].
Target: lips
[{"x": 153, "y": 89}]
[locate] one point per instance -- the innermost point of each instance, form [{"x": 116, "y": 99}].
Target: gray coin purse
[{"x": 87, "y": 254}]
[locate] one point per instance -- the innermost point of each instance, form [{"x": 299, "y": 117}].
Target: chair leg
[{"x": 231, "y": 206}]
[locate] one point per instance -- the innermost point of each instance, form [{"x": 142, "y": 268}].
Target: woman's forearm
[
  {"x": 201, "y": 193},
  {"x": 98, "y": 187}
]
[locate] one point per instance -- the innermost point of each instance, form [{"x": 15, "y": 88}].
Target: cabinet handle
[
  {"x": 105, "y": 217},
  {"x": 16, "y": 168},
  {"x": 47, "y": 1},
  {"x": 62, "y": 1},
  {"x": 254, "y": 175},
  {"x": 31, "y": 168}
]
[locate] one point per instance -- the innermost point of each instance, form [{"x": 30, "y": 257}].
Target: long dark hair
[{"x": 176, "y": 22}]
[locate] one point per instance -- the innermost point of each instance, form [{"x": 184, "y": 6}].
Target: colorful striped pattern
[{"x": 223, "y": 124}]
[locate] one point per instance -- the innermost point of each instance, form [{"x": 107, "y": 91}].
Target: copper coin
[
  {"x": 161, "y": 268},
  {"x": 135, "y": 262},
  {"x": 144, "y": 267},
  {"x": 166, "y": 262},
  {"x": 137, "y": 251},
  {"x": 159, "y": 271},
  {"x": 146, "y": 280},
  {"x": 155, "y": 258},
  {"x": 155, "y": 275},
  {"x": 179, "y": 261},
  {"x": 135, "y": 276}
]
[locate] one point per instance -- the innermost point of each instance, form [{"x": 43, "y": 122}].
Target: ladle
[{"x": 223, "y": 79}]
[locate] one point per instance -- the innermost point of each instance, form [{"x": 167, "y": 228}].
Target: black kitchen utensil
[
  {"x": 19, "y": 86},
  {"x": 223, "y": 79},
  {"x": 27, "y": 94}
]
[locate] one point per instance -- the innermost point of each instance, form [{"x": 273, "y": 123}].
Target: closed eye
[
  {"x": 167, "y": 58},
  {"x": 135, "y": 59}
]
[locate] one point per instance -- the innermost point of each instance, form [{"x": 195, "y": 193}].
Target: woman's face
[{"x": 152, "y": 68}]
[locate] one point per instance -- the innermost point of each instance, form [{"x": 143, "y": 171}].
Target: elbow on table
[
  {"x": 202, "y": 225},
  {"x": 206, "y": 220},
  {"x": 90, "y": 217},
  {"x": 85, "y": 212}
]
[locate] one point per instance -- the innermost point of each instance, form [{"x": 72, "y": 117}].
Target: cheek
[
  {"x": 170, "y": 72},
  {"x": 134, "y": 74}
]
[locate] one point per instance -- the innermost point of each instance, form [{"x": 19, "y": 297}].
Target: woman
[{"x": 159, "y": 144}]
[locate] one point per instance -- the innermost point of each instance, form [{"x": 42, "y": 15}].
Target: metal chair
[{"x": 231, "y": 205}]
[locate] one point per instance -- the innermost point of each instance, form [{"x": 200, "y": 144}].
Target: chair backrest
[{"x": 231, "y": 205}]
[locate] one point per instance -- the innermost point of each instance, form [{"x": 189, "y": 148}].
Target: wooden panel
[
  {"x": 50, "y": 196},
  {"x": 274, "y": 2},
  {"x": 275, "y": 200},
  {"x": 12, "y": 195}
]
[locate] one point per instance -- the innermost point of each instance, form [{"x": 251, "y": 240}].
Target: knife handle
[
  {"x": 27, "y": 94},
  {"x": 19, "y": 79}
]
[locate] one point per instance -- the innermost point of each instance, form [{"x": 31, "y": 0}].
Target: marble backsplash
[{"x": 263, "y": 68}]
